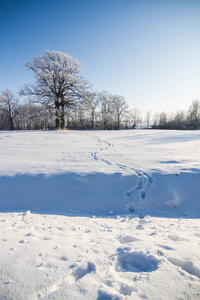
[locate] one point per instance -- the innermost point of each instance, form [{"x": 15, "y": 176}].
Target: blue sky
[{"x": 145, "y": 50}]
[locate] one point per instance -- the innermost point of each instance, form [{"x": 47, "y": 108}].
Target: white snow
[{"x": 100, "y": 215}]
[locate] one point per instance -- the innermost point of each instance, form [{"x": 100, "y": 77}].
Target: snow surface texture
[{"x": 100, "y": 215}]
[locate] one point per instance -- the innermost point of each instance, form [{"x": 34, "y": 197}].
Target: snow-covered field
[{"x": 100, "y": 215}]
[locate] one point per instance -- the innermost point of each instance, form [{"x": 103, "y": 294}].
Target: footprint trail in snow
[{"x": 145, "y": 180}]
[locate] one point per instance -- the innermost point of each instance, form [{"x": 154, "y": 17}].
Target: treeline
[
  {"x": 189, "y": 120},
  {"x": 102, "y": 111},
  {"x": 61, "y": 98}
]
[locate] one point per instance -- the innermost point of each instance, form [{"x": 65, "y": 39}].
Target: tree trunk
[
  {"x": 11, "y": 124},
  {"x": 10, "y": 117},
  {"x": 92, "y": 120},
  {"x": 118, "y": 124},
  {"x": 57, "y": 123},
  {"x": 62, "y": 116},
  {"x": 62, "y": 124},
  {"x": 57, "y": 120}
]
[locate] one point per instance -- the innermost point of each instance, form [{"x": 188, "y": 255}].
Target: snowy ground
[{"x": 100, "y": 215}]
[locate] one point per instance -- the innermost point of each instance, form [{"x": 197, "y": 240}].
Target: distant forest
[{"x": 61, "y": 98}]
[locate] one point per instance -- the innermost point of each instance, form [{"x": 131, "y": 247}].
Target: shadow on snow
[{"x": 102, "y": 194}]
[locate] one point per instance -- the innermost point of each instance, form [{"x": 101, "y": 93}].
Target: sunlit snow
[{"x": 100, "y": 215}]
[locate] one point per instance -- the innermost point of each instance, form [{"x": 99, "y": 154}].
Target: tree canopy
[{"x": 58, "y": 83}]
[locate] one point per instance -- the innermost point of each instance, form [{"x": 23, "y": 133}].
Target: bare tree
[
  {"x": 91, "y": 107},
  {"x": 163, "y": 120},
  {"x": 3, "y": 118},
  {"x": 9, "y": 105},
  {"x": 148, "y": 118},
  {"x": 156, "y": 119},
  {"x": 135, "y": 117},
  {"x": 194, "y": 115},
  {"x": 105, "y": 104},
  {"x": 119, "y": 109},
  {"x": 58, "y": 83},
  {"x": 178, "y": 121}
]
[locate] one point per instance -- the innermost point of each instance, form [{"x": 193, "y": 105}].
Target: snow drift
[{"x": 101, "y": 194}]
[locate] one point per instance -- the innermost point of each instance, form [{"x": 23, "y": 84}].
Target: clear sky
[{"x": 145, "y": 50}]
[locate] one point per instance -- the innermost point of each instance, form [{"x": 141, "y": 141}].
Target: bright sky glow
[{"x": 147, "y": 51}]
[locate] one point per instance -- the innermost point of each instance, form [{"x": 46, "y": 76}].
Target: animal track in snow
[
  {"x": 175, "y": 238},
  {"x": 77, "y": 272},
  {"x": 126, "y": 289},
  {"x": 124, "y": 239},
  {"x": 24, "y": 242},
  {"x": 81, "y": 271},
  {"x": 63, "y": 258},
  {"x": 114, "y": 289},
  {"x": 167, "y": 247},
  {"x": 95, "y": 156},
  {"x": 140, "y": 227},
  {"x": 186, "y": 266},
  {"x": 110, "y": 294},
  {"x": 136, "y": 261},
  {"x": 139, "y": 192},
  {"x": 96, "y": 153},
  {"x": 106, "y": 161}
]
